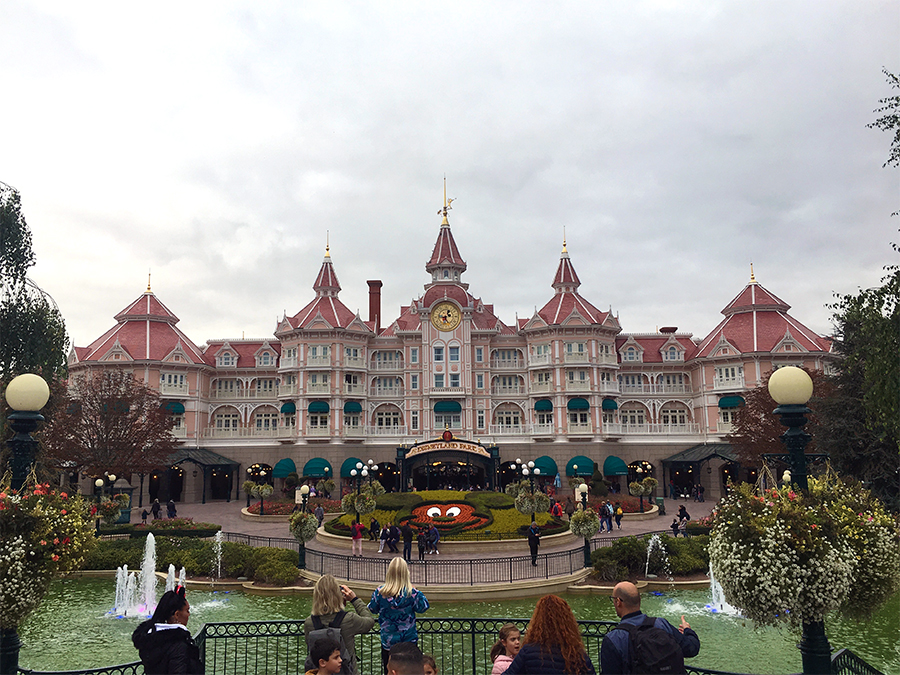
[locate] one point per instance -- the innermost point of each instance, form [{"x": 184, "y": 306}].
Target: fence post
[{"x": 472, "y": 635}]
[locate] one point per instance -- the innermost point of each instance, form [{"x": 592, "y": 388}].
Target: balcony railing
[
  {"x": 246, "y": 432},
  {"x": 386, "y": 431},
  {"x": 357, "y": 389},
  {"x": 635, "y": 388},
  {"x": 671, "y": 389},
  {"x": 578, "y": 385},
  {"x": 652, "y": 428},
  {"x": 287, "y": 389},
  {"x": 386, "y": 391},
  {"x": 728, "y": 382},
  {"x": 180, "y": 432},
  {"x": 381, "y": 366},
  {"x": 541, "y": 387},
  {"x": 579, "y": 429},
  {"x": 318, "y": 388},
  {"x": 353, "y": 430},
  {"x": 724, "y": 428},
  {"x": 318, "y": 360},
  {"x": 501, "y": 390},
  {"x": 174, "y": 389},
  {"x": 506, "y": 363},
  {"x": 542, "y": 429},
  {"x": 225, "y": 394},
  {"x": 539, "y": 360},
  {"x": 354, "y": 362},
  {"x": 318, "y": 431},
  {"x": 288, "y": 362},
  {"x": 608, "y": 359},
  {"x": 609, "y": 387},
  {"x": 577, "y": 357},
  {"x": 509, "y": 429}
]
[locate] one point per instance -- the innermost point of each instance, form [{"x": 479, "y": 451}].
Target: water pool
[{"x": 74, "y": 629}]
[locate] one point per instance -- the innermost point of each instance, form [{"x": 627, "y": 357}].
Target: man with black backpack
[{"x": 643, "y": 644}]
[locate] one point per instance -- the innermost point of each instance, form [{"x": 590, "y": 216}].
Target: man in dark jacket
[
  {"x": 393, "y": 538},
  {"x": 534, "y": 540},
  {"x": 615, "y": 652},
  {"x": 408, "y": 534}
]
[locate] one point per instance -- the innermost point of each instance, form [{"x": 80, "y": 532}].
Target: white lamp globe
[
  {"x": 790, "y": 386},
  {"x": 98, "y": 482},
  {"x": 537, "y": 472},
  {"x": 27, "y": 393},
  {"x": 304, "y": 490}
]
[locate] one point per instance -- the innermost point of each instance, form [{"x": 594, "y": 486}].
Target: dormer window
[
  {"x": 446, "y": 274},
  {"x": 265, "y": 359},
  {"x": 226, "y": 359},
  {"x": 672, "y": 354},
  {"x": 631, "y": 354}
]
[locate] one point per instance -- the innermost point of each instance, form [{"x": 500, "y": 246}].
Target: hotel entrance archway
[{"x": 453, "y": 464}]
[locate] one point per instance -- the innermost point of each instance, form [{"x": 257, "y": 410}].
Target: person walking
[
  {"x": 328, "y": 602},
  {"x": 619, "y": 514},
  {"x": 383, "y": 537},
  {"x": 155, "y": 509},
  {"x": 674, "y": 527},
  {"x": 163, "y": 641},
  {"x": 407, "y": 532},
  {"x": 534, "y": 541},
  {"x": 683, "y": 513},
  {"x": 553, "y": 642},
  {"x": 144, "y": 515},
  {"x": 672, "y": 493},
  {"x": 643, "y": 644},
  {"x": 682, "y": 526},
  {"x": 319, "y": 513},
  {"x": 422, "y": 543},
  {"x": 393, "y": 538},
  {"x": 609, "y": 515},
  {"x": 356, "y": 537},
  {"x": 396, "y": 603},
  {"x": 570, "y": 508},
  {"x": 170, "y": 509}
]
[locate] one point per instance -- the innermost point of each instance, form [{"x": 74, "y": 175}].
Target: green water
[{"x": 73, "y": 627}]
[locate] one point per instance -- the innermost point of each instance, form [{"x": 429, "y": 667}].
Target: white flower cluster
[
  {"x": 303, "y": 526},
  {"x": 584, "y": 523},
  {"x": 20, "y": 588}
]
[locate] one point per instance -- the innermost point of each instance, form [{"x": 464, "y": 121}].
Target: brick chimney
[{"x": 375, "y": 303}]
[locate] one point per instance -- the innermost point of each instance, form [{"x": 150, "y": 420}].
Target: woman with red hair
[{"x": 552, "y": 642}]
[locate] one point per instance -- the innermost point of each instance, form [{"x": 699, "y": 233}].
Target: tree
[
  {"x": 34, "y": 333},
  {"x": 860, "y": 424},
  {"x": 109, "y": 422},
  {"x": 890, "y": 119},
  {"x": 758, "y": 430}
]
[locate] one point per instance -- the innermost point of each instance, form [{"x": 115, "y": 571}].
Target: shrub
[
  {"x": 236, "y": 559},
  {"x": 398, "y": 501},
  {"x": 606, "y": 564},
  {"x": 491, "y": 500},
  {"x": 110, "y": 554},
  {"x": 277, "y": 572}
]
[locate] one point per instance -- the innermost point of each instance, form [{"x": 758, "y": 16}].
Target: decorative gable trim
[
  {"x": 724, "y": 348},
  {"x": 177, "y": 355},
  {"x": 536, "y": 321},
  {"x": 117, "y": 353},
  {"x": 631, "y": 347},
  {"x": 788, "y": 344},
  {"x": 575, "y": 318},
  {"x": 318, "y": 322}
]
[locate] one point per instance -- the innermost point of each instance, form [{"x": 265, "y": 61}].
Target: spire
[
  {"x": 752, "y": 277},
  {"x": 445, "y": 264},
  {"x": 566, "y": 280},
  {"x": 327, "y": 282},
  {"x": 148, "y": 282}
]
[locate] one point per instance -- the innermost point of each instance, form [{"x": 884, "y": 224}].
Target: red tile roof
[
  {"x": 326, "y": 306},
  {"x": 567, "y": 300},
  {"x": 445, "y": 251}
]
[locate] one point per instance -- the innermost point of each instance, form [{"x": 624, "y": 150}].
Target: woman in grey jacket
[{"x": 328, "y": 600}]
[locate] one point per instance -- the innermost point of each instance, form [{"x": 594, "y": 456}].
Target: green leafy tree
[
  {"x": 34, "y": 333},
  {"x": 109, "y": 421},
  {"x": 890, "y": 119}
]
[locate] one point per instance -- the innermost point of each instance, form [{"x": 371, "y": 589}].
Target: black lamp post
[
  {"x": 583, "y": 491},
  {"x": 249, "y": 472},
  {"x": 529, "y": 471},
  {"x": 791, "y": 388},
  {"x": 358, "y": 474},
  {"x": 26, "y": 395},
  {"x": 304, "y": 495},
  {"x": 100, "y": 484},
  {"x": 262, "y": 499}
]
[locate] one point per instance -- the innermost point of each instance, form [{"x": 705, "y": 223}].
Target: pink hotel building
[{"x": 565, "y": 387}]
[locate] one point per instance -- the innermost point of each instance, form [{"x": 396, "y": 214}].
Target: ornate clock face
[{"x": 445, "y": 316}]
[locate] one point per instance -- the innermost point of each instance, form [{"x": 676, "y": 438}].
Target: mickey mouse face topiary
[{"x": 447, "y": 515}]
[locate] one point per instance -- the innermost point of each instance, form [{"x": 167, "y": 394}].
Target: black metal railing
[
  {"x": 269, "y": 542},
  {"x": 460, "y": 647},
  {"x": 437, "y": 570}
]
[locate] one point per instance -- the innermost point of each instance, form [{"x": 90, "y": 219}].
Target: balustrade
[
  {"x": 539, "y": 360},
  {"x": 541, "y": 387},
  {"x": 509, "y": 429},
  {"x": 174, "y": 389}
]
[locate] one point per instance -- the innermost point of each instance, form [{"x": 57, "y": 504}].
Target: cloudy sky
[{"x": 676, "y": 142}]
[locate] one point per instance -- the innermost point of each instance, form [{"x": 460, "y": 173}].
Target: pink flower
[
  {"x": 55, "y": 557},
  {"x": 63, "y": 495},
  {"x": 43, "y": 543},
  {"x": 56, "y": 540},
  {"x": 63, "y": 511}
]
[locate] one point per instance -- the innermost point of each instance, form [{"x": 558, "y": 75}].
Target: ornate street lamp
[
  {"x": 529, "y": 471},
  {"x": 301, "y": 562},
  {"x": 26, "y": 395},
  {"x": 791, "y": 388},
  {"x": 583, "y": 492},
  {"x": 358, "y": 474},
  {"x": 100, "y": 484}
]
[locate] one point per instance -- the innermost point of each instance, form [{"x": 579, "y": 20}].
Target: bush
[
  {"x": 607, "y": 566},
  {"x": 277, "y": 572},
  {"x": 236, "y": 560},
  {"x": 398, "y": 501},
  {"x": 110, "y": 554},
  {"x": 491, "y": 500}
]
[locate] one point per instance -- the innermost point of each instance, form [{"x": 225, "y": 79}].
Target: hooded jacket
[
  {"x": 397, "y": 616},
  {"x": 167, "y": 650}
]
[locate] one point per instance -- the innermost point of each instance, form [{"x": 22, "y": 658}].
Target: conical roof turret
[{"x": 326, "y": 283}]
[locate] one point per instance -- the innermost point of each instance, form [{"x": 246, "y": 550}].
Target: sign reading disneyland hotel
[{"x": 566, "y": 386}]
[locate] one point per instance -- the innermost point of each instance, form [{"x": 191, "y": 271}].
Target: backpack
[
  {"x": 619, "y": 511},
  {"x": 653, "y": 650},
  {"x": 333, "y": 631}
]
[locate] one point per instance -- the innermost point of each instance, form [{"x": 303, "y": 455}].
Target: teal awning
[
  {"x": 318, "y": 407},
  {"x": 288, "y": 408},
  {"x": 578, "y": 404},
  {"x": 609, "y": 404},
  {"x": 731, "y": 402},
  {"x": 352, "y": 407},
  {"x": 613, "y": 466},
  {"x": 284, "y": 467},
  {"x": 547, "y": 466},
  {"x": 543, "y": 405},
  {"x": 317, "y": 468},
  {"x": 585, "y": 466},
  {"x": 348, "y": 465},
  {"x": 447, "y": 407},
  {"x": 174, "y": 408}
]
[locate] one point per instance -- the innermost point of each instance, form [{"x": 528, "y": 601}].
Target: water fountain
[
  {"x": 136, "y": 593},
  {"x": 170, "y": 578},
  {"x": 217, "y": 547},
  {"x": 718, "y": 603},
  {"x": 655, "y": 544}
]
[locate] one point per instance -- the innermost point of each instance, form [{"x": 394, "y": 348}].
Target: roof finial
[
  {"x": 752, "y": 277},
  {"x": 327, "y": 247},
  {"x": 564, "y": 240},
  {"x": 447, "y": 203},
  {"x": 148, "y": 282}
]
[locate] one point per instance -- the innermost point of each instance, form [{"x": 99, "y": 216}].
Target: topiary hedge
[
  {"x": 398, "y": 501},
  {"x": 627, "y": 557},
  {"x": 491, "y": 500}
]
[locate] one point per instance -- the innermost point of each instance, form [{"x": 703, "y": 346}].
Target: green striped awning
[
  {"x": 447, "y": 407},
  {"x": 547, "y": 466},
  {"x": 284, "y": 467},
  {"x": 319, "y": 407},
  {"x": 352, "y": 407},
  {"x": 613, "y": 466},
  {"x": 543, "y": 405},
  {"x": 348, "y": 465},
  {"x": 585, "y": 466},
  {"x": 175, "y": 408},
  {"x": 288, "y": 408},
  {"x": 731, "y": 402},
  {"x": 578, "y": 404},
  {"x": 609, "y": 404}
]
